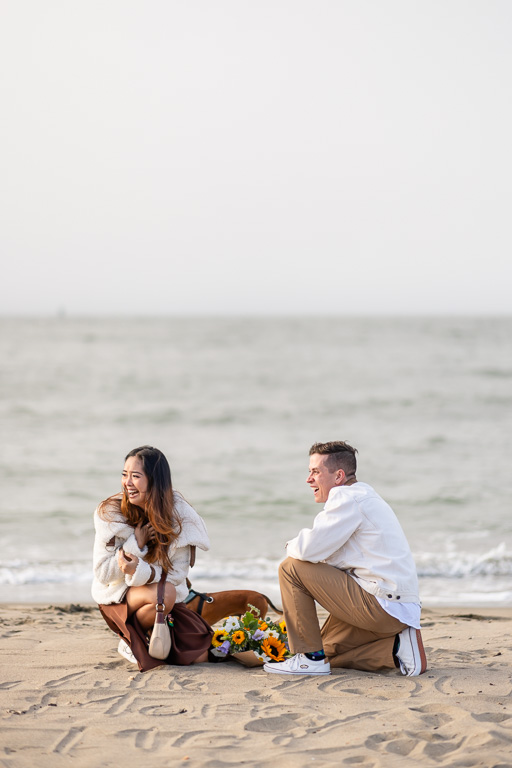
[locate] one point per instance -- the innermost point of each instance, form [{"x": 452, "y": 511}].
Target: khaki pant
[{"x": 358, "y": 633}]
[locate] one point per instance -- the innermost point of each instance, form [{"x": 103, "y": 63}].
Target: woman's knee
[
  {"x": 139, "y": 597},
  {"x": 169, "y": 595}
]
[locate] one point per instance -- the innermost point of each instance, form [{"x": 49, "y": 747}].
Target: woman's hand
[
  {"x": 144, "y": 533},
  {"x": 127, "y": 563}
]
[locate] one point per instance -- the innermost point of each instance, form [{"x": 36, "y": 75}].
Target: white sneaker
[
  {"x": 411, "y": 653},
  {"x": 299, "y": 665},
  {"x": 126, "y": 652}
]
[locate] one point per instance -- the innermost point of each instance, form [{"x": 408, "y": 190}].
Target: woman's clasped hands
[
  {"x": 144, "y": 533},
  {"x": 127, "y": 563}
]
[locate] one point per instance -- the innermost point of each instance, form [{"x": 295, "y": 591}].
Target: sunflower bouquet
[{"x": 264, "y": 637}]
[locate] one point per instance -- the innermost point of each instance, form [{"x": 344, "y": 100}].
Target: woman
[{"x": 140, "y": 533}]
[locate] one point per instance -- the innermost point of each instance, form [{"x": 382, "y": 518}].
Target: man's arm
[{"x": 332, "y": 528}]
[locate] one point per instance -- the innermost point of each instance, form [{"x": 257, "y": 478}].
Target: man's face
[{"x": 320, "y": 478}]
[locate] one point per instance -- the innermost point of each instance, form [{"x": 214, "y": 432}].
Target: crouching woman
[{"x": 142, "y": 551}]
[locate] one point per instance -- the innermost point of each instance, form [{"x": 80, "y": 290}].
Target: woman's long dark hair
[{"x": 159, "y": 510}]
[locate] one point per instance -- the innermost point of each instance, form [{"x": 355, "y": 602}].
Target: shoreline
[
  {"x": 63, "y": 593},
  {"x": 66, "y": 694}
]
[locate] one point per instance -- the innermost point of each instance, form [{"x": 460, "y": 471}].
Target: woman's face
[{"x": 135, "y": 481}]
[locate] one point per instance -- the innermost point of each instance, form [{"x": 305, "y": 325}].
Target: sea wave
[
  {"x": 22, "y": 572},
  {"x": 453, "y": 565},
  {"x": 496, "y": 562}
]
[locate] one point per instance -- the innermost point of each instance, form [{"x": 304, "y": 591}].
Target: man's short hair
[{"x": 340, "y": 455}]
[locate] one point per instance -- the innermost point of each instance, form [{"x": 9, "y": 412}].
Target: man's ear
[{"x": 340, "y": 477}]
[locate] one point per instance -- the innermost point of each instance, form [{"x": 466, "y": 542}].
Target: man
[{"x": 356, "y": 563}]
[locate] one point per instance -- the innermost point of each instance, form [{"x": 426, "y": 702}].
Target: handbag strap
[{"x": 160, "y": 593}]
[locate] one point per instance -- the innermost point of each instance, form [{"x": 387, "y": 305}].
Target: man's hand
[{"x": 127, "y": 563}]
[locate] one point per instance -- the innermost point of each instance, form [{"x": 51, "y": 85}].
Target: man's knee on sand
[
  {"x": 292, "y": 570},
  {"x": 284, "y": 566},
  {"x": 287, "y": 570}
]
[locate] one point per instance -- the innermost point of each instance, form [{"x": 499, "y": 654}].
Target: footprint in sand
[
  {"x": 112, "y": 705},
  {"x": 9, "y": 684},
  {"x": 144, "y": 738},
  {"x": 259, "y": 696},
  {"x": 69, "y": 741},
  {"x": 433, "y": 745},
  {"x": 112, "y": 664},
  {"x": 276, "y": 724},
  {"x": 163, "y": 710},
  {"x": 434, "y": 715},
  {"x": 210, "y": 740},
  {"x": 211, "y": 711},
  {"x": 63, "y": 680},
  {"x": 188, "y": 684},
  {"x": 491, "y": 717}
]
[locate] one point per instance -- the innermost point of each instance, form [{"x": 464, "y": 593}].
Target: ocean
[{"x": 235, "y": 404}]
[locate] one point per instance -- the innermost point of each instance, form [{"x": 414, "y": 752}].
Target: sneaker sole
[
  {"x": 126, "y": 655},
  {"x": 284, "y": 672},
  {"x": 420, "y": 657}
]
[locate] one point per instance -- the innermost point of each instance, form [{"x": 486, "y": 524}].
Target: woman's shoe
[{"x": 126, "y": 652}]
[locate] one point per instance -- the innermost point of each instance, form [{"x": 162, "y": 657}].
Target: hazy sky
[{"x": 274, "y": 156}]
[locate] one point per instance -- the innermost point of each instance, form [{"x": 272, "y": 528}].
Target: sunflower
[
  {"x": 218, "y": 637},
  {"x": 238, "y": 637},
  {"x": 274, "y": 648},
  {"x": 282, "y": 624}
]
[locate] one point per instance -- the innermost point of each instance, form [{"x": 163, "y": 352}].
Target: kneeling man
[{"x": 356, "y": 563}]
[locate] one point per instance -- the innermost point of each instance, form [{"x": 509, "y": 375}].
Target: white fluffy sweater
[{"x": 110, "y": 583}]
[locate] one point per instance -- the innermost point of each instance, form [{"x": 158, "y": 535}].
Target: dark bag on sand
[{"x": 191, "y": 635}]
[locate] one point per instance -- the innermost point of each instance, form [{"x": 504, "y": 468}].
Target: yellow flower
[
  {"x": 282, "y": 624},
  {"x": 262, "y": 624},
  {"x": 274, "y": 648},
  {"x": 238, "y": 637},
  {"x": 218, "y": 637}
]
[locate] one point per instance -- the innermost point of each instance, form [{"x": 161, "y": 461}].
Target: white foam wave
[
  {"x": 19, "y": 572},
  {"x": 450, "y": 565},
  {"x": 453, "y": 565}
]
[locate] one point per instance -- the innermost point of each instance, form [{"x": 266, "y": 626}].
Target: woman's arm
[
  {"x": 111, "y": 536},
  {"x": 180, "y": 560},
  {"x": 105, "y": 565}
]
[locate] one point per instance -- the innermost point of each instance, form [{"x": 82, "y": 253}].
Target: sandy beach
[{"x": 68, "y": 698}]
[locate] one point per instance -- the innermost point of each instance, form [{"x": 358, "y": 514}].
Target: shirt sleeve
[
  {"x": 332, "y": 528},
  {"x": 180, "y": 565},
  {"x": 105, "y": 565}
]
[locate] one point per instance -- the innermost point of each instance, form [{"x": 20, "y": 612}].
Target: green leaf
[{"x": 250, "y": 622}]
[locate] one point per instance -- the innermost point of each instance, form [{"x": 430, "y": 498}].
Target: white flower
[
  {"x": 273, "y": 633},
  {"x": 231, "y": 623},
  {"x": 262, "y": 655}
]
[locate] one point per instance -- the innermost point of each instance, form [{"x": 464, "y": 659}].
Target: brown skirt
[{"x": 191, "y": 635}]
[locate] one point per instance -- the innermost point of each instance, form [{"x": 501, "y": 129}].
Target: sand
[{"x": 67, "y": 698}]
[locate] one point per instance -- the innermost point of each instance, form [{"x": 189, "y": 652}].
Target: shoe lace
[{"x": 297, "y": 660}]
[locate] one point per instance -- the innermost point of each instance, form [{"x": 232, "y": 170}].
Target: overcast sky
[{"x": 273, "y": 156}]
